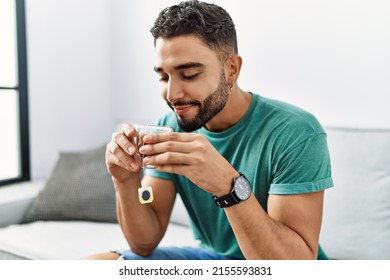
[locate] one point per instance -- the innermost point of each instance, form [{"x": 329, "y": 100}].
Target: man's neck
[{"x": 235, "y": 108}]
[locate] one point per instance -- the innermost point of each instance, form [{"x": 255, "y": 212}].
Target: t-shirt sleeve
[
  {"x": 303, "y": 169},
  {"x": 158, "y": 174}
]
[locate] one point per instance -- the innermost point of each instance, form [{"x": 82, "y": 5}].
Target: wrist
[
  {"x": 225, "y": 184},
  {"x": 240, "y": 191}
]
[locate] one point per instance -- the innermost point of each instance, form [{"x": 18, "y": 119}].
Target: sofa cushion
[
  {"x": 79, "y": 188},
  {"x": 60, "y": 239},
  {"x": 356, "y": 221},
  {"x": 69, "y": 240},
  {"x": 15, "y": 199}
]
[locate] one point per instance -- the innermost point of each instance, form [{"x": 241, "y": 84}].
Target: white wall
[
  {"x": 69, "y": 67},
  {"x": 91, "y": 64},
  {"x": 330, "y": 57},
  {"x": 136, "y": 94}
]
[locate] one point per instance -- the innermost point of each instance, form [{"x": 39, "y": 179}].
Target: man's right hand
[{"x": 122, "y": 158}]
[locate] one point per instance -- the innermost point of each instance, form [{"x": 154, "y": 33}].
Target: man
[{"x": 251, "y": 171}]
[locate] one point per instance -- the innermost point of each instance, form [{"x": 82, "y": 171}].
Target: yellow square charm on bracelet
[{"x": 145, "y": 195}]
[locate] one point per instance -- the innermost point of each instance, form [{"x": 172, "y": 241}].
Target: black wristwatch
[{"x": 241, "y": 191}]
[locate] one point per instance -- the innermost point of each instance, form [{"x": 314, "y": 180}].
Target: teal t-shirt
[{"x": 280, "y": 148}]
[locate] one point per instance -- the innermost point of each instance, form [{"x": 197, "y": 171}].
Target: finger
[
  {"x": 170, "y": 146},
  {"x": 123, "y": 141},
  {"x": 128, "y": 130},
  {"x": 172, "y": 158},
  {"x": 115, "y": 155},
  {"x": 169, "y": 136}
]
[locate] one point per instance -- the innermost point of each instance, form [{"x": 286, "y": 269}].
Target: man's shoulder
[{"x": 290, "y": 116}]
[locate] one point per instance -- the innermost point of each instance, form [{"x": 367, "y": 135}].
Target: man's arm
[
  {"x": 143, "y": 225},
  {"x": 290, "y": 230}
]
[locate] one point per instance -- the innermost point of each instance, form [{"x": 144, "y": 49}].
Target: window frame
[{"x": 22, "y": 89}]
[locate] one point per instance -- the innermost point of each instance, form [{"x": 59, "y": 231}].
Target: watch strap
[
  {"x": 229, "y": 199},
  {"x": 226, "y": 200}
]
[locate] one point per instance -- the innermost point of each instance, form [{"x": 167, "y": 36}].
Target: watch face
[{"x": 242, "y": 188}]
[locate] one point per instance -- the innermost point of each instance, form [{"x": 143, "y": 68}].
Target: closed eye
[{"x": 190, "y": 77}]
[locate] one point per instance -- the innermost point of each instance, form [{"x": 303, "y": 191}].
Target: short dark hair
[{"x": 211, "y": 23}]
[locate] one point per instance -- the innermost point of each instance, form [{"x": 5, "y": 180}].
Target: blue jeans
[{"x": 174, "y": 253}]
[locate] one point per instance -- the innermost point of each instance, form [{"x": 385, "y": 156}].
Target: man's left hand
[{"x": 190, "y": 155}]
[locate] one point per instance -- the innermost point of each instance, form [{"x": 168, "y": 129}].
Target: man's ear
[{"x": 233, "y": 68}]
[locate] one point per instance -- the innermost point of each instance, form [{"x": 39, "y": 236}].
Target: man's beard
[{"x": 211, "y": 106}]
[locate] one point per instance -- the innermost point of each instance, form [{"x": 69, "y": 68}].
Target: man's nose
[{"x": 174, "y": 91}]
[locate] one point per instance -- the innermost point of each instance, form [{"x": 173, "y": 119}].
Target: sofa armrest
[{"x": 15, "y": 199}]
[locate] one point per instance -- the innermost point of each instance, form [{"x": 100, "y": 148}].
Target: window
[{"x": 14, "y": 142}]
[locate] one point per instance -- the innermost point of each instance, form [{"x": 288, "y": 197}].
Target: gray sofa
[{"x": 56, "y": 219}]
